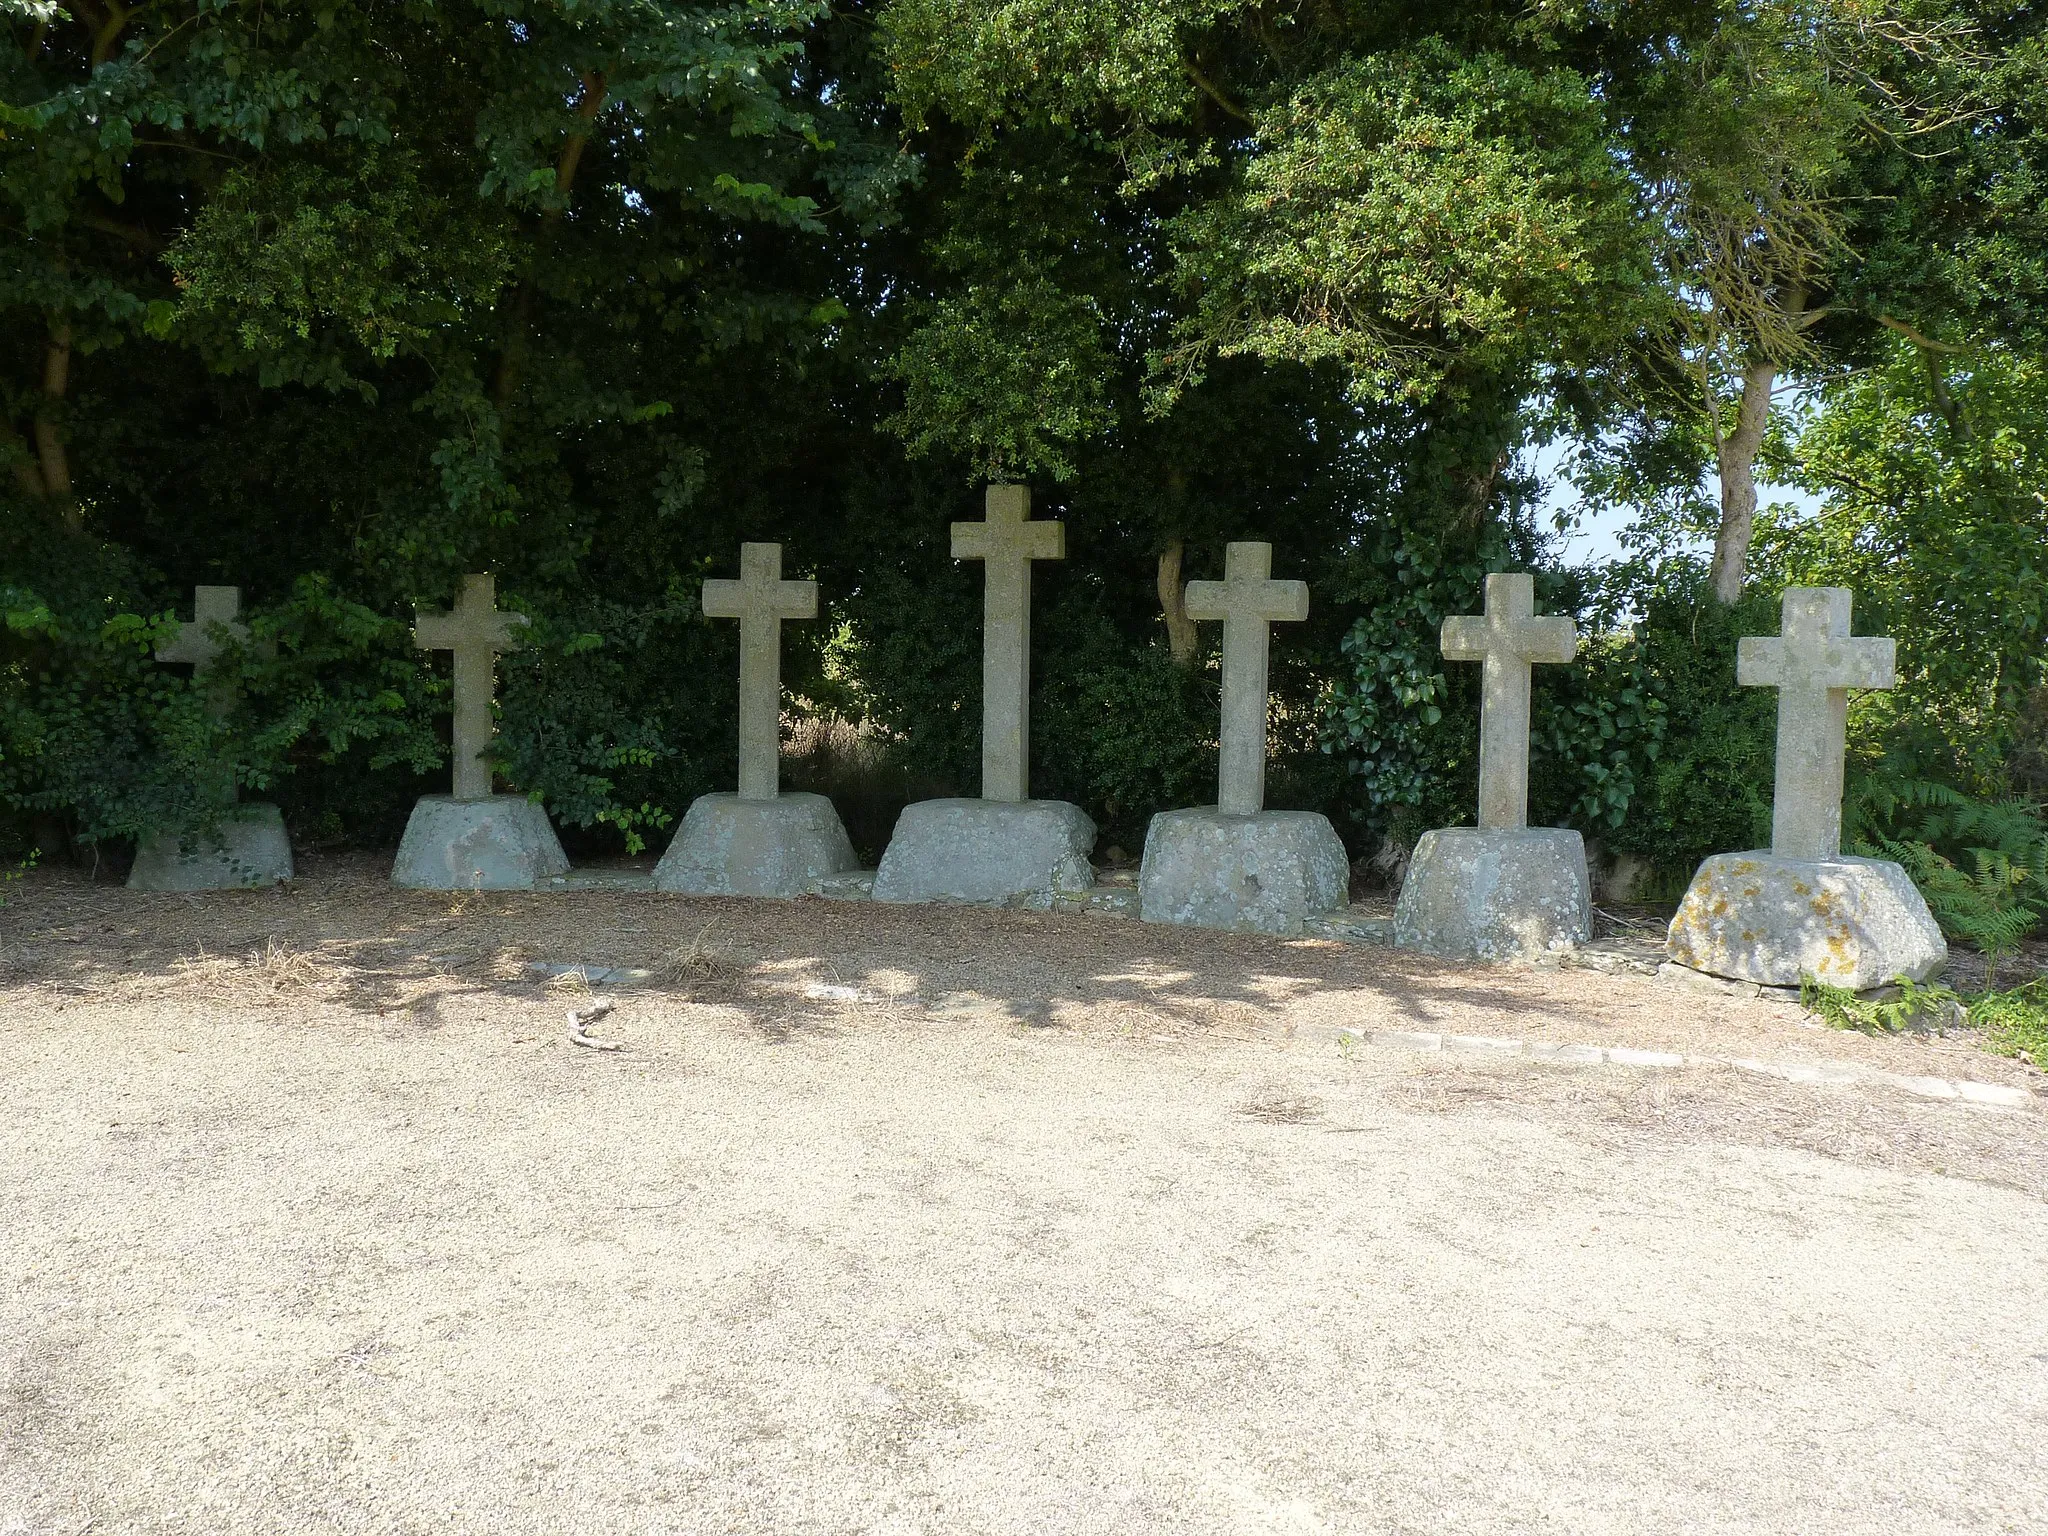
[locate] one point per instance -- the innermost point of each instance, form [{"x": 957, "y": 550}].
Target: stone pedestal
[
  {"x": 727, "y": 846},
  {"x": 1487, "y": 893},
  {"x": 499, "y": 843},
  {"x": 248, "y": 849},
  {"x": 1853, "y": 923},
  {"x": 1266, "y": 873},
  {"x": 995, "y": 852}
]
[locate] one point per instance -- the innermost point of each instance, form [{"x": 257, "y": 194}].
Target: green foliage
[
  {"x": 1126, "y": 733},
  {"x": 1936, "y": 521},
  {"x": 588, "y": 728},
  {"x": 1388, "y": 715},
  {"x": 2015, "y": 1023},
  {"x": 1413, "y": 216},
  {"x": 1837, "y": 1007},
  {"x": 1927, "y": 827}
]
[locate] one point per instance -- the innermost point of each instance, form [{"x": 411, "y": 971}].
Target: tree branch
[
  {"x": 1209, "y": 89},
  {"x": 1924, "y": 343},
  {"x": 134, "y": 234}
]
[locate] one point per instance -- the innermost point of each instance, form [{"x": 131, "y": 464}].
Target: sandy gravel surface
[{"x": 927, "y": 1221}]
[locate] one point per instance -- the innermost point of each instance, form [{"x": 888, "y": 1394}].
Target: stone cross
[
  {"x": 1008, "y": 542},
  {"x": 1247, "y": 601},
  {"x": 476, "y": 631},
  {"x": 760, "y": 600},
  {"x": 194, "y": 642},
  {"x": 1813, "y": 663},
  {"x": 1508, "y": 640}
]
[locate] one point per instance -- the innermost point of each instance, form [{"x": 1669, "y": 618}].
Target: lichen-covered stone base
[
  {"x": 248, "y": 849},
  {"x": 1495, "y": 893},
  {"x": 1266, "y": 873},
  {"x": 1022, "y": 853},
  {"x": 1854, "y": 923},
  {"x": 727, "y": 846},
  {"x": 503, "y": 843}
]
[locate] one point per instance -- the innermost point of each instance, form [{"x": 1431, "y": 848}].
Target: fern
[{"x": 1930, "y": 828}]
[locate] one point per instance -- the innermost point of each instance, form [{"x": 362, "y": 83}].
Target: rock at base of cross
[
  {"x": 1016, "y": 853},
  {"x": 249, "y": 849},
  {"x": 1849, "y": 922},
  {"x": 499, "y": 843},
  {"x": 1486, "y": 893},
  {"x": 727, "y": 846},
  {"x": 1265, "y": 873}
]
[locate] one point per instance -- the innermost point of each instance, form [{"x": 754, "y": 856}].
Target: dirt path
[{"x": 927, "y": 1221}]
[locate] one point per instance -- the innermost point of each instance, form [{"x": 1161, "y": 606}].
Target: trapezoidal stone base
[
  {"x": 727, "y": 846},
  {"x": 1019, "y": 853},
  {"x": 1478, "y": 893},
  {"x": 248, "y": 849},
  {"x": 504, "y": 843},
  {"x": 1850, "y": 922},
  {"x": 1266, "y": 873}
]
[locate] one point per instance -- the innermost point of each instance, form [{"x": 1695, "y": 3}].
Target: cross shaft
[
  {"x": 1508, "y": 639},
  {"x": 475, "y": 632},
  {"x": 194, "y": 643},
  {"x": 1007, "y": 543},
  {"x": 760, "y": 600},
  {"x": 1813, "y": 663},
  {"x": 1249, "y": 603}
]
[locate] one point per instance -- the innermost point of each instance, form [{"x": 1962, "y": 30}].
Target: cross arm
[
  {"x": 1465, "y": 639},
  {"x": 1045, "y": 539},
  {"x": 1759, "y": 661},
  {"x": 1867, "y": 662},
  {"x": 1550, "y": 639},
  {"x": 796, "y": 600},
  {"x": 1206, "y": 600},
  {"x": 724, "y": 598}
]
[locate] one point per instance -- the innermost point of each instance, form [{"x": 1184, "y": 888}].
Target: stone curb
[{"x": 1999, "y": 1095}]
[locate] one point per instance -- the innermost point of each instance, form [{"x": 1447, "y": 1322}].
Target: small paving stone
[
  {"x": 857, "y": 885},
  {"x": 1414, "y": 1040},
  {"x": 1926, "y": 1087},
  {"x": 1630, "y": 1056},
  {"x": 1579, "y": 1055},
  {"x": 1684, "y": 975},
  {"x": 1994, "y": 1093},
  {"x": 1482, "y": 1043}
]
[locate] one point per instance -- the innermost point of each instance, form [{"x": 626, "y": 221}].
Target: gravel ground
[{"x": 917, "y": 1220}]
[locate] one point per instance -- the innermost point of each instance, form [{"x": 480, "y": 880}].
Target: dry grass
[{"x": 342, "y": 943}]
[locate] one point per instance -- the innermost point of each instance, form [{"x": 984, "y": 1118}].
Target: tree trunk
[
  {"x": 1180, "y": 629},
  {"x": 519, "y": 337},
  {"x": 1736, "y": 454},
  {"x": 50, "y": 452}
]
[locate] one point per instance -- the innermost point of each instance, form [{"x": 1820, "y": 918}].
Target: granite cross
[
  {"x": 760, "y": 600},
  {"x": 1008, "y": 542},
  {"x": 1247, "y": 601},
  {"x": 194, "y": 642},
  {"x": 1813, "y": 663},
  {"x": 476, "y": 631},
  {"x": 1508, "y": 640}
]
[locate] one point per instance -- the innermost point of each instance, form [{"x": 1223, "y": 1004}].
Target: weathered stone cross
[
  {"x": 1508, "y": 640},
  {"x": 760, "y": 600},
  {"x": 1008, "y": 542},
  {"x": 194, "y": 642},
  {"x": 476, "y": 631},
  {"x": 1813, "y": 663},
  {"x": 1247, "y": 601}
]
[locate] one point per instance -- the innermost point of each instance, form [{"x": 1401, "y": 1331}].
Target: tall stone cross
[
  {"x": 1813, "y": 663},
  {"x": 1248, "y": 601},
  {"x": 476, "y": 631},
  {"x": 760, "y": 600},
  {"x": 194, "y": 643},
  {"x": 1508, "y": 640},
  {"x": 1007, "y": 543}
]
